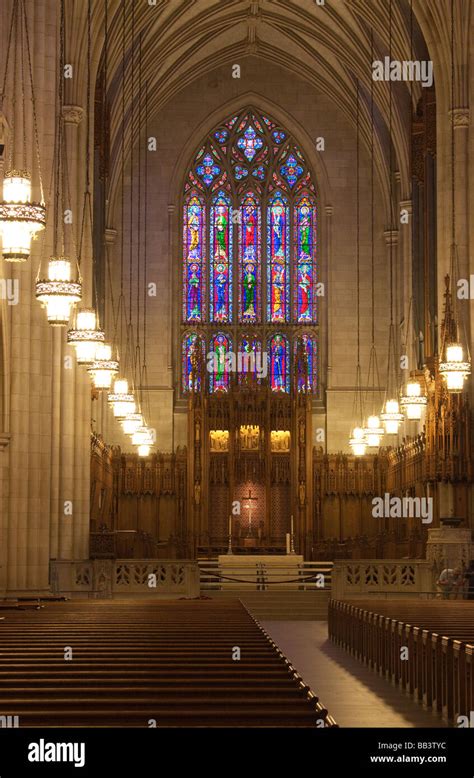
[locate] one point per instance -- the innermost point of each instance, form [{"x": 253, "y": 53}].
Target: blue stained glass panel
[
  {"x": 250, "y": 260},
  {"x": 220, "y": 259},
  {"x": 208, "y": 170},
  {"x": 291, "y": 170},
  {"x": 278, "y": 257},
  {"x": 194, "y": 259},
  {"x": 249, "y": 143},
  {"x": 279, "y": 367},
  {"x": 218, "y": 363}
]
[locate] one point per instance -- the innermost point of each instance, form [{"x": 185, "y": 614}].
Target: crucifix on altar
[{"x": 250, "y": 500}]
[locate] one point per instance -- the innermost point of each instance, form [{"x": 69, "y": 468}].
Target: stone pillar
[{"x": 406, "y": 281}]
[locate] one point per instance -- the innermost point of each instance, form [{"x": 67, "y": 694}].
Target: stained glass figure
[
  {"x": 278, "y": 240},
  {"x": 191, "y": 373},
  {"x": 208, "y": 169},
  {"x": 249, "y": 260},
  {"x": 194, "y": 259},
  {"x": 249, "y": 143},
  {"x": 291, "y": 170},
  {"x": 220, "y": 259},
  {"x": 278, "y": 357},
  {"x": 218, "y": 363},
  {"x": 304, "y": 232}
]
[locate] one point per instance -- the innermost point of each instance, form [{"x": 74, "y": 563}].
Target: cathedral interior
[{"x": 235, "y": 327}]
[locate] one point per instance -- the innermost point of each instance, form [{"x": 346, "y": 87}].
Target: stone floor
[{"x": 353, "y": 694}]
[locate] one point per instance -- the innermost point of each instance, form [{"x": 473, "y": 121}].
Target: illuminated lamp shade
[
  {"x": 144, "y": 450},
  {"x": 86, "y": 336},
  {"x": 373, "y": 432},
  {"x": 413, "y": 401},
  {"x": 132, "y": 422},
  {"x": 358, "y": 442},
  {"x": 103, "y": 368},
  {"x": 121, "y": 400},
  {"x": 391, "y": 417},
  {"x": 455, "y": 369},
  {"x": 58, "y": 294},
  {"x": 143, "y": 436},
  {"x": 20, "y": 219}
]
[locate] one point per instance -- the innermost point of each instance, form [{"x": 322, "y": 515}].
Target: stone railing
[
  {"x": 383, "y": 577},
  {"x": 108, "y": 578}
]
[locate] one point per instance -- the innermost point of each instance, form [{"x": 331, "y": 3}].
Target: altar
[{"x": 260, "y": 571}]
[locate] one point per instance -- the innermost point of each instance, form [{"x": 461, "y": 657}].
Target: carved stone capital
[
  {"x": 73, "y": 114},
  {"x": 461, "y": 117},
  {"x": 406, "y": 205},
  {"x": 110, "y": 236},
  {"x": 391, "y": 237},
  {"x": 329, "y": 210}
]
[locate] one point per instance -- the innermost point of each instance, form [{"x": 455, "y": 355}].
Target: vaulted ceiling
[{"x": 329, "y": 45}]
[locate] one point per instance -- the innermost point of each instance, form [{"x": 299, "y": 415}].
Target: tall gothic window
[{"x": 250, "y": 258}]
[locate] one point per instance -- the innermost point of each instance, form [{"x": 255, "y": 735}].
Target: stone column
[{"x": 406, "y": 281}]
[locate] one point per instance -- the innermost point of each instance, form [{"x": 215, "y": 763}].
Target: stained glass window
[
  {"x": 251, "y": 367},
  {"x": 191, "y": 373},
  {"x": 250, "y": 172},
  {"x": 250, "y": 260},
  {"x": 278, "y": 242},
  {"x": 218, "y": 363},
  {"x": 304, "y": 240},
  {"x": 279, "y": 372},
  {"x": 194, "y": 258},
  {"x": 220, "y": 260}
]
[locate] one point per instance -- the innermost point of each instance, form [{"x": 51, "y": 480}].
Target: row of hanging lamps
[
  {"x": 357, "y": 441},
  {"x": 59, "y": 291},
  {"x": 20, "y": 218},
  {"x": 86, "y": 335},
  {"x": 391, "y": 417},
  {"x": 373, "y": 431},
  {"x": 455, "y": 363}
]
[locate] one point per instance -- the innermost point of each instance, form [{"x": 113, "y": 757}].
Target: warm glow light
[
  {"x": 455, "y": 370},
  {"x": 413, "y": 401},
  {"x": 103, "y": 368},
  {"x": 391, "y": 417},
  {"x": 86, "y": 336},
  {"x": 58, "y": 294},
  {"x": 121, "y": 400},
  {"x": 20, "y": 219},
  {"x": 131, "y": 423},
  {"x": 144, "y": 450},
  {"x": 358, "y": 442},
  {"x": 373, "y": 432}
]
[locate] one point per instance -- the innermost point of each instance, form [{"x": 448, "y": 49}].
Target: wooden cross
[{"x": 249, "y": 506}]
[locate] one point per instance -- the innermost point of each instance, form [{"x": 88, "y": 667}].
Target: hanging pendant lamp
[
  {"x": 123, "y": 403},
  {"x": 104, "y": 368},
  {"x": 86, "y": 336},
  {"x": 20, "y": 218},
  {"x": 58, "y": 293}
]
